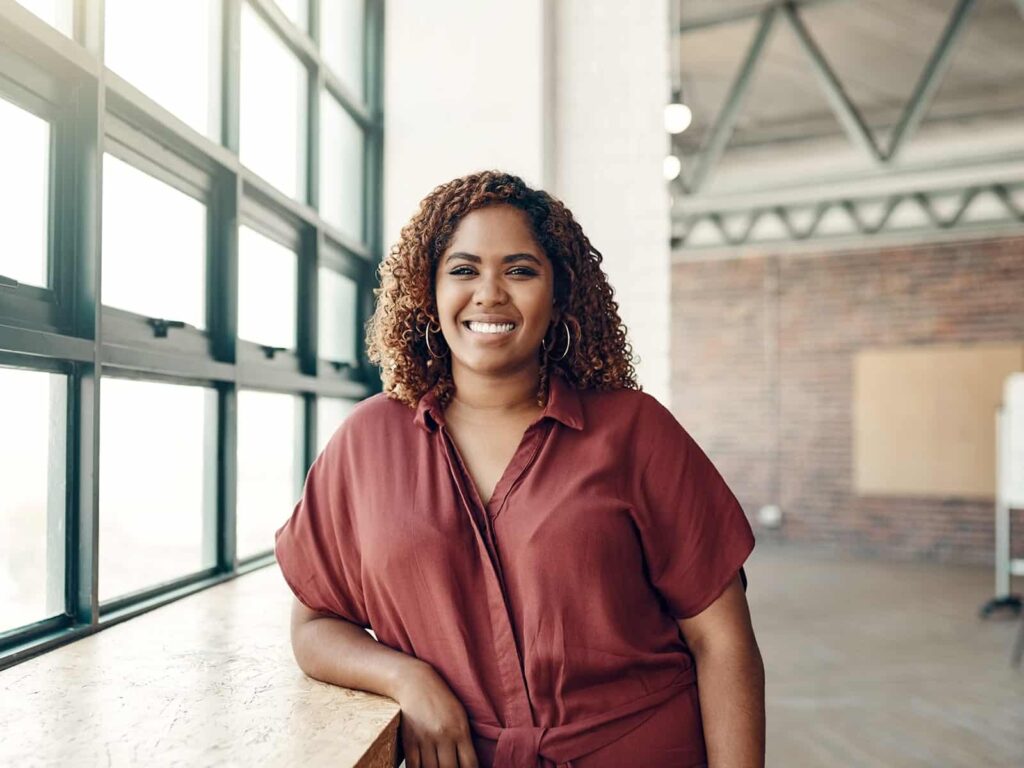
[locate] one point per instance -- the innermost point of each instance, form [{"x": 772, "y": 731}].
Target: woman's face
[{"x": 495, "y": 271}]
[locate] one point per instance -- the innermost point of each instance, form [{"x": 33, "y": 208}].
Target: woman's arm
[
  {"x": 730, "y": 680},
  {"x": 342, "y": 653},
  {"x": 434, "y": 730}
]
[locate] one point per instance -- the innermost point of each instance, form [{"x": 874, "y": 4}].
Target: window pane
[
  {"x": 169, "y": 50},
  {"x": 154, "y": 246},
  {"x": 269, "y": 456},
  {"x": 341, "y": 41},
  {"x": 341, "y": 168},
  {"x": 337, "y": 316},
  {"x": 297, "y": 11},
  {"x": 152, "y": 483},
  {"x": 266, "y": 290},
  {"x": 56, "y": 13},
  {"x": 272, "y": 127},
  {"x": 24, "y": 183},
  {"x": 32, "y": 470},
  {"x": 330, "y": 413}
]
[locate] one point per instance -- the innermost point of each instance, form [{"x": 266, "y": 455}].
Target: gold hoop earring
[
  {"x": 427, "y": 337},
  {"x": 568, "y": 341}
]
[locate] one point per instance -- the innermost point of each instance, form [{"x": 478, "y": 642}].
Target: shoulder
[
  {"x": 633, "y": 418},
  {"x": 371, "y": 421},
  {"x": 379, "y": 408},
  {"x": 631, "y": 407}
]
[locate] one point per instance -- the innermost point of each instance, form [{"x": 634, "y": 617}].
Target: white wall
[
  {"x": 612, "y": 82},
  {"x": 567, "y": 94},
  {"x": 463, "y": 92}
]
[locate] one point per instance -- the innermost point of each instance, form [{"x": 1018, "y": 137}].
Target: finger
[
  {"x": 467, "y": 754},
  {"x": 412, "y": 756},
  {"x": 428, "y": 756},
  {"x": 447, "y": 755}
]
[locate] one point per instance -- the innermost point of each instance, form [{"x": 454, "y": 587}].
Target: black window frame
[{"x": 62, "y": 328}]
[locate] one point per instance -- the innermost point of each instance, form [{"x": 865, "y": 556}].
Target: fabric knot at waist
[{"x": 529, "y": 746}]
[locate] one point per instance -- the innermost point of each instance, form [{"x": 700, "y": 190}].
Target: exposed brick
[{"x": 762, "y": 375}]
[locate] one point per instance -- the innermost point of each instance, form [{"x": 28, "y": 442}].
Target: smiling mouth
[{"x": 514, "y": 327}]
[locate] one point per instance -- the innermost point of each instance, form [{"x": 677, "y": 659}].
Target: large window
[{"x": 191, "y": 235}]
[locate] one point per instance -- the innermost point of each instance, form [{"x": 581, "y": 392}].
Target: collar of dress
[{"x": 563, "y": 405}]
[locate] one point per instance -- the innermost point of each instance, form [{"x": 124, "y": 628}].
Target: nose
[{"x": 490, "y": 291}]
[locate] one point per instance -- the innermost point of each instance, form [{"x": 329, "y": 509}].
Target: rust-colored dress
[{"x": 550, "y": 610}]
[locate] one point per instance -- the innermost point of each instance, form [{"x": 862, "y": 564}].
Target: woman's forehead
[{"x": 494, "y": 232}]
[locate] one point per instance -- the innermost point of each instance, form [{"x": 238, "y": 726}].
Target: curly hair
[{"x": 600, "y": 357}]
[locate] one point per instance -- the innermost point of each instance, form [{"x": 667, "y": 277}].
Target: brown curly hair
[{"x": 599, "y": 357}]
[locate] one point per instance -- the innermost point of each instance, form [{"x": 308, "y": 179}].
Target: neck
[{"x": 495, "y": 396}]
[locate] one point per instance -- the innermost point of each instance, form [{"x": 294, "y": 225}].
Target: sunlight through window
[
  {"x": 152, "y": 474},
  {"x": 341, "y": 169},
  {"x": 154, "y": 246},
  {"x": 171, "y": 52},
  {"x": 24, "y": 189},
  {"x": 32, "y": 470},
  {"x": 273, "y": 108},
  {"x": 266, "y": 290},
  {"x": 268, "y": 467}
]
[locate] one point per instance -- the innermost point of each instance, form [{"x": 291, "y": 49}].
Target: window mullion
[{"x": 84, "y": 218}]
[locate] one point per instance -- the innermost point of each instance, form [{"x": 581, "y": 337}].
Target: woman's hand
[{"x": 434, "y": 728}]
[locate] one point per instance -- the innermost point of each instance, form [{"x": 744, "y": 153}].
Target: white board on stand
[{"x": 1011, "y": 462}]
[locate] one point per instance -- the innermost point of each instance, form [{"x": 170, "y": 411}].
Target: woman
[{"x": 550, "y": 563}]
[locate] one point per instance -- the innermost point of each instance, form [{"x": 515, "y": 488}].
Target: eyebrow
[{"x": 505, "y": 260}]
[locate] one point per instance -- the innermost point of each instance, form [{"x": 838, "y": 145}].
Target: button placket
[{"x": 520, "y": 712}]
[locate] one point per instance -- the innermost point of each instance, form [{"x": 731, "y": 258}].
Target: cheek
[
  {"x": 538, "y": 306},
  {"x": 447, "y": 298}
]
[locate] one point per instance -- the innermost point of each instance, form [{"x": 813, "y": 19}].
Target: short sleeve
[
  {"x": 693, "y": 530},
  {"x": 317, "y": 548}
]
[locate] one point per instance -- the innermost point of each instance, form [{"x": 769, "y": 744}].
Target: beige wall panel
[{"x": 924, "y": 418}]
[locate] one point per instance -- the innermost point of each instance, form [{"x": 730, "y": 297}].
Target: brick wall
[{"x": 762, "y": 371}]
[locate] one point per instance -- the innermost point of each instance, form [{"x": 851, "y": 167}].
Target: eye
[{"x": 459, "y": 271}]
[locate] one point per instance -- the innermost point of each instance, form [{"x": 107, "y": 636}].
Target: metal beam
[
  {"x": 855, "y": 209},
  {"x": 725, "y": 121},
  {"x": 875, "y": 182},
  {"x": 849, "y": 117},
  {"x": 739, "y": 15},
  {"x": 931, "y": 77},
  {"x": 826, "y": 245}
]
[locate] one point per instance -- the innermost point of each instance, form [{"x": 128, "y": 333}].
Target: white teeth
[{"x": 491, "y": 327}]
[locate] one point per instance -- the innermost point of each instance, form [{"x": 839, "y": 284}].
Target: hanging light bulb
[
  {"x": 678, "y": 116},
  {"x": 671, "y": 167}
]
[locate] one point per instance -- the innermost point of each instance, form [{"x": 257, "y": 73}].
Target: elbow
[
  {"x": 299, "y": 645},
  {"x": 303, "y": 631}
]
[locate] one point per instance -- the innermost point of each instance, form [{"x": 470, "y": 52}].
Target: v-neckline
[{"x": 521, "y": 458}]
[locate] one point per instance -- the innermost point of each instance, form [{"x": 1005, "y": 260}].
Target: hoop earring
[
  {"x": 427, "y": 337},
  {"x": 568, "y": 341}
]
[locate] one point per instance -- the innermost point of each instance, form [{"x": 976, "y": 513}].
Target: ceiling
[{"x": 877, "y": 49}]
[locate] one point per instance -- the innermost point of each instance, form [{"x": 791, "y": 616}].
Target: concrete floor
[{"x": 872, "y": 663}]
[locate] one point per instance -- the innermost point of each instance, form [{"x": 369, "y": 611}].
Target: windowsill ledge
[{"x": 209, "y": 679}]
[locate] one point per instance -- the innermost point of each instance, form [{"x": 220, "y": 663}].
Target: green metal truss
[{"x": 768, "y": 214}]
